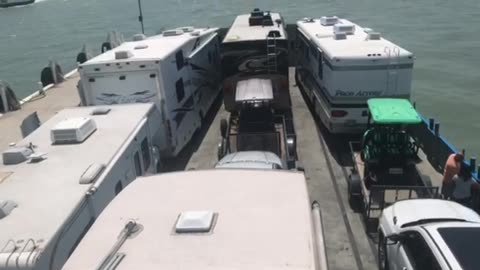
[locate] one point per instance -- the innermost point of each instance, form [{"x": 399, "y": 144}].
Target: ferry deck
[{"x": 326, "y": 160}]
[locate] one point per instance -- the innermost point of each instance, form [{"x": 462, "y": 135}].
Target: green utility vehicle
[{"x": 385, "y": 161}]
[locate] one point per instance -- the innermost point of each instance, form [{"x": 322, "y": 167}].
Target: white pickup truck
[{"x": 428, "y": 234}]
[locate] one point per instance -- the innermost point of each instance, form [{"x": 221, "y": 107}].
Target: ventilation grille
[{"x": 74, "y": 130}]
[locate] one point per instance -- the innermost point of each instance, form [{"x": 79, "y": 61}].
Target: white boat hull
[{"x": 12, "y": 3}]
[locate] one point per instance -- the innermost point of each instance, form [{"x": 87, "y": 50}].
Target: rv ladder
[{"x": 271, "y": 53}]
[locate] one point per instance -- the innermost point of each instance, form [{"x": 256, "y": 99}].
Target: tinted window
[
  {"x": 209, "y": 57},
  {"x": 118, "y": 187},
  {"x": 180, "y": 90},
  {"x": 462, "y": 243},
  {"x": 146, "y": 154},
  {"x": 320, "y": 65},
  {"x": 179, "y": 60},
  {"x": 419, "y": 252},
  {"x": 138, "y": 166}
]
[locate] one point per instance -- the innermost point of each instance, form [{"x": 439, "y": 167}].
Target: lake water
[{"x": 443, "y": 34}]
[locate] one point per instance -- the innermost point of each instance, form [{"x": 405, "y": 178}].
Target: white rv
[
  {"x": 216, "y": 219},
  {"x": 341, "y": 65},
  {"x": 55, "y": 182},
  {"x": 177, "y": 70}
]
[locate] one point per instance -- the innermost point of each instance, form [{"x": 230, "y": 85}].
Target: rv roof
[
  {"x": 355, "y": 46},
  {"x": 47, "y": 192},
  {"x": 392, "y": 111},
  {"x": 262, "y": 222},
  {"x": 242, "y": 31},
  {"x": 153, "y": 48}
]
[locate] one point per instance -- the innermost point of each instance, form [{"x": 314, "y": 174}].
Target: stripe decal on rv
[{"x": 366, "y": 67}]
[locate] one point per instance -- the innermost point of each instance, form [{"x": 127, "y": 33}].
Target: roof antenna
[{"x": 140, "y": 17}]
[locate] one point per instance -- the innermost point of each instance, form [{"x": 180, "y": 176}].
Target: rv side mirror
[
  {"x": 223, "y": 128},
  {"x": 393, "y": 239}
]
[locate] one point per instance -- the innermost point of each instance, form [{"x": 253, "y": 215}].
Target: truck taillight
[
  {"x": 338, "y": 113},
  {"x": 284, "y": 83},
  {"x": 227, "y": 87}
]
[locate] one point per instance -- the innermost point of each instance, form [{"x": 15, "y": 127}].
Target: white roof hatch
[{"x": 195, "y": 222}]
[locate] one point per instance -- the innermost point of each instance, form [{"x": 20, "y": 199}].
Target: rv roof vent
[
  {"x": 308, "y": 20},
  {"x": 16, "y": 155},
  {"x": 73, "y": 130},
  {"x": 374, "y": 36},
  {"x": 195, "y": 222},
  {"x": 91, "y": 173},
  {"x": 348, "y": 29},
  {"x": 141, "y": 46},
  {"x": 195, "y": 33},
  {"x": 328, "y": 20},
  {"x": 340, "y": 36},
  {"x": 139, "y": 37},
  {"x": 101, "y": 111},
  {"x": 6, "y": 207},
  {"x": 173, "y": 32},
  {"x": 123, "y": 54},
  {"x": 187, "y": 29}
]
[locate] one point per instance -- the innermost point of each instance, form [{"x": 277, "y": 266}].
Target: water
[{"x": 443, "y": 34}]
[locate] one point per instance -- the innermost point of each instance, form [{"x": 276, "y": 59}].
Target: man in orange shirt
[{"x": 452, "y": 167}]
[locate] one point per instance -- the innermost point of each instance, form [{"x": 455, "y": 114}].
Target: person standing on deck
[
  {"x": 462, "y": 192},
  {"x": 451, "y": 168}
]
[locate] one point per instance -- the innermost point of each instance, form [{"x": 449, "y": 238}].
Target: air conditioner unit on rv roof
[
  {"x": 328, "y": 20},
  {"x": 348, "y": 29},
  {"x": 73, "y": 130},
  {"x": 174, "y": 32}
]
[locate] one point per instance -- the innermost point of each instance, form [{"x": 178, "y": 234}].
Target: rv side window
[
  {"x": 179, "y": 59},
  {"x": 146, "y": 154},
  {"x": 180, "y": 90},
  {"x": 307, "y": 51},
  {"x": 320, "y": 65},
  {"x": 138, "y": 166}
]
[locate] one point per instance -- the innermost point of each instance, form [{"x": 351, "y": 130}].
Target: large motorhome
[
  {"x": 256, "y": 46},
  {"x": 178, "y": 70},
  {"x": 341, "y": 65},
  {"x": 215, "y": 219},
  {"x": 55, "y": 182}
]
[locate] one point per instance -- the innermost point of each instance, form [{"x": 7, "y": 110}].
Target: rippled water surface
[{"x": 443, "y": 34}]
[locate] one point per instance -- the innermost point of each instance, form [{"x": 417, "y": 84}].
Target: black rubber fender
[
  {"x": 106, "y": 46},
  {"x": 46, "y": 76},
  {"x": 81, "y": 57}
]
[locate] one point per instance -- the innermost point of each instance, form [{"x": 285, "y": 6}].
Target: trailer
[
  {"x": 341, "y": 65},
  {"x": 55, "y": 182},
  {"x": 178, "y": 70},
  {"x": 256, "y": 126},
  {"x": 384, "y": 162},
  {"x": 222, "y": 219},
  {"x": 256, "y": 46}
]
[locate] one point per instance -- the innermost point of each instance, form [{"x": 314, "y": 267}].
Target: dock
[
  {"x": 54, "y": 99},
  {"x": 325, "y": 158}
]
